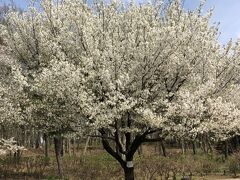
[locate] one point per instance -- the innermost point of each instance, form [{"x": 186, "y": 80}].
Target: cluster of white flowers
[
  {"x": 10, "y": 91},
  {"x": 9, "y": 146}
]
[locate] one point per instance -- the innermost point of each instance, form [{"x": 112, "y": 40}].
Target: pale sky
[{"x": 227, "y": 12}]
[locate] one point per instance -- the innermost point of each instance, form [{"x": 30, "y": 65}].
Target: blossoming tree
[
  {"x": 10, "y": 95},
  {"x": 210, "y": 102},
  {"x": 121, "y": 70}
]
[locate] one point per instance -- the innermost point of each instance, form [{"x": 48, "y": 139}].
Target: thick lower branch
[
  {"x": 117, "y": 140},
  {"x": 139, "y": 139},
  {"x": 109, "y": 149}
]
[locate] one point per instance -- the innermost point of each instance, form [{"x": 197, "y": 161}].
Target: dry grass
[{"x": 97, "y": 164}]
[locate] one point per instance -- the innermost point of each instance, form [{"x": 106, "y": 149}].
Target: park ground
[{"x": 97, "y": 164}]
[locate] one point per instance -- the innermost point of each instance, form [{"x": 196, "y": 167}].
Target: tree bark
[
  {"x": 129, "y": 173},
  {"x": 23, "y": 136},
  {"x": 86, "y": 146},
  {"x": 163, "y": 148},
  {"x": 58, "y": 148},
  {"x": 46, "y": 144},
  {"x": 183, "y": 147},
  {"x": 37, "y": 141},
  {"x": 140, "y": 150},
  {"x": 62, "y": 146},
  {"x": 73, "y": 146},
  {"x": 194, "y": 147},
  {"x": 237, "y": 142},
  {"x": 226, "y": 149}
]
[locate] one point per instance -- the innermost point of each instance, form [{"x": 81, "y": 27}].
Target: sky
[{"x": 227, "y": 12}]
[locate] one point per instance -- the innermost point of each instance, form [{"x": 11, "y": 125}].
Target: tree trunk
[
  {"x": 210, "y": 149},
  {"x": 62, "y": 146},
  {"x": 23, "y": 138},
  {"x": 183, "y": 147},
  {"x": 163, "y": 148},
  {"x": 45, "y": 145},
  {"x": 226, "y": 149},
  {"x": 129, "y": 173},
  {"x": 58, "y": 147},
  {"x": 131, "y": 146},
  {"x": 66, "y": 146},
  {"x": 194, "y": 147},
  {"x": 73, "y": 146},
  {"x": 86, "y": 146},
  {"x": 140, "y": 150},
  {"x": 37, "y": 141},
  {"x": 237, "y": 142}
]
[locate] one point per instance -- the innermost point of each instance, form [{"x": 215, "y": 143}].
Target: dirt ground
[{"x": 215, "y": 177}]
